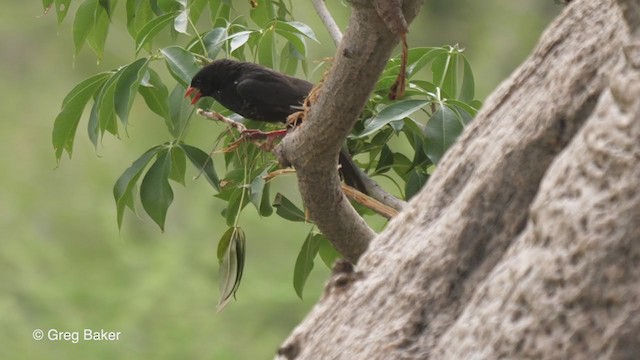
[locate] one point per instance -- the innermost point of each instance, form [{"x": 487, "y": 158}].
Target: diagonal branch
[
  {"x": 328, "y": 21},
  {"x": 313, "y": 149}
]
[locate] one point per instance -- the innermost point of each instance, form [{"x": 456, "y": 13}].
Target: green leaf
[
  {"x": 239, "y": 199},
  {"x": 468, "y": 83},
  {"x": 62, "y": 7},
  {"x": 238, "y": 40},
  {"x": 220, "y": 11},
  {"x": 297, "y": 27},
  {"x": 265, "y": 204},
  {"x": 139, "y": 13},
  {"x": 327, "y": 252},
  {"x": 445, "y": 73},
  {"x": 203, "y": 164},
  {"x": 232, "y": 249},
  {"x": 468, "y": 108},
  {"x": 259, "y": 194},
  {"x": 287, "y": 210},
  {"x": 46, "y": 4},
  {"x": 105, "y": 104},
  {"x": 66, "y": 123},
  {"x": 180, "y": 110},
  {"x": 181, "y": 63},
  {"x": 127, "y": 87},
  {"x": 196, "y": 7},
  {"x": 106, "y": 5},
  {"x": 214, "y": 40},
  {"x": 263, "y": 13},
  {"x": 152, "y": 28},
  {"x": 392, "y": 112},
  {"x": 155, "y": 94},
  {"x": 290, "y": 58},
  {"x": 401, "y": 165},
  {"x": 420, "y": 57},
  {"x": 295, "y": 39},
  {"x": 124, "y": 186},
  {"x": 223, "y": 244},
  {"x": 441, "y": 132},
  {"x": 83, "y": 23},
  {"x": 168, "y": 5},
  {"x": 181, "y": 22},
  {"x": 155, "y": 191},
  {"x": 304, "y": 262},
  {"x": 178, "y": 164},
  {"x": 386, "y": 160},
  {"x": 415, "y": 182},
  {"x": 98, "y": 36},
  {"x": 266, "y": 49}
]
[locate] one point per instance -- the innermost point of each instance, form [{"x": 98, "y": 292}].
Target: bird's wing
[{"x": 278, "y": 92}]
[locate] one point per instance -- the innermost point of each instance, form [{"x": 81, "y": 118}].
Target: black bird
[{"x": 259, "y": 93}]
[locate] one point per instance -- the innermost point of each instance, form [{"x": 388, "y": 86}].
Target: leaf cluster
[{"x": 401, "y": 140}]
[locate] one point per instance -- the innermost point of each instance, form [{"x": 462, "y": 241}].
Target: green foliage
[{"x": 401, "y": 141}]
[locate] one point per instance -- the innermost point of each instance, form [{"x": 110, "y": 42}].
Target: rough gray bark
[{"x": 525, "y": 243}]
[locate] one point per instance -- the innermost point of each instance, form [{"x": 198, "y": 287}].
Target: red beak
[{"x": 197, "y": 97}]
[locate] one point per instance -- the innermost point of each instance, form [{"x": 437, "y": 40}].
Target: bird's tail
[{"x": 350, "y": 172}]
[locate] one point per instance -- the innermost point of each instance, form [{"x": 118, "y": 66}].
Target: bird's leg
[{"x": 216, "y": 116}]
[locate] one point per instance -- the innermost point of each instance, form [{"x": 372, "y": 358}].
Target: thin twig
[
  {"x": 328, "y": 21},
  {"x": 377, "y": 192},
  {"x": 215, "y": 116},
  {"x": 353, "y": 194},
  {"x": 369, "y": 202}
]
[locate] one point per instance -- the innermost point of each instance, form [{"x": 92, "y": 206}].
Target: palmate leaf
[{"x": 66, "y": 123}]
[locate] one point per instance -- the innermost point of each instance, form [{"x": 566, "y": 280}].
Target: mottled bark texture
[{"x": 525, "y": 243}]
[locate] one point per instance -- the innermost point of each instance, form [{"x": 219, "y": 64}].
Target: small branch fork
[{"x": 270, "y": 137}]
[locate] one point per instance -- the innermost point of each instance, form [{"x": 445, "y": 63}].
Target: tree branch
[
  {"x": 313, "y": 148},
  {"x": 327, "y": 20}
]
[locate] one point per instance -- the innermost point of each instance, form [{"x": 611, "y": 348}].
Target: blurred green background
[{"x": 63, "y": 263}]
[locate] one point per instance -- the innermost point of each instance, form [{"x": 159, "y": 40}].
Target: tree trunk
[{"x": 525, "y": 243}]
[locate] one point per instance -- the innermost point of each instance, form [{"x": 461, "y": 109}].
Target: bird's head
[
  {"x": 208, "y": 80},
  {"x": 199, "y": 86}
]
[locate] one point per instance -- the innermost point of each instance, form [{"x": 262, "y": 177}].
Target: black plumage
[
  {"x": 261, "y": 94},
  {"x": 251, "y": 90}
]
